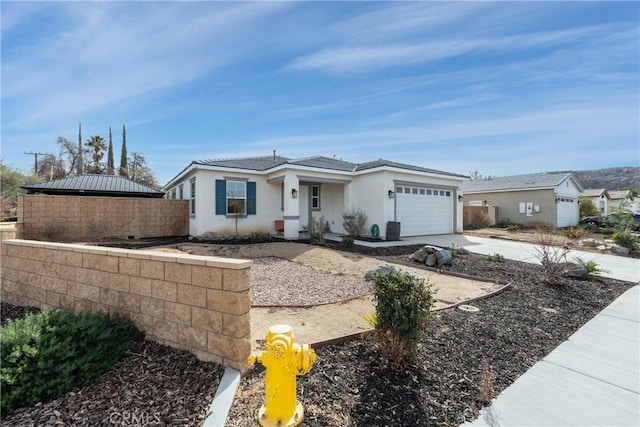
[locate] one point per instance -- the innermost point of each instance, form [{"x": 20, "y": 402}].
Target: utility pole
[{"x": 35, "y": 168}]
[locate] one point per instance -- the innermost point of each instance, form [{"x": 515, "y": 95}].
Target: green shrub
[
  {"x": 259, "y": 237},
  {"x": 458, "y": 250},
  {"x": 496, "y": 257},
  {"x": 591, "y": 267},
  {"x": 403, "y": 302},
  {"x": 317, "y": 228},
  {"x": 354, "y": 222},
  {"x": 44, "y": 355},
  {"x": 625, "y": 239},
  {"x": 347, "y": 242},
  {"x": 575, "y": 232}
]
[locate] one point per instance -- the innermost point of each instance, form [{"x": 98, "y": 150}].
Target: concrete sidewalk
[{"x": 592, "y": 379}]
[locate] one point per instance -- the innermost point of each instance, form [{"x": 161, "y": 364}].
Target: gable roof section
[
  {"x": 94, "y": 185},
  {"x": 619, "y": 194},
  {"x": 266, "y": 163},
  {"x": 388, "y": 163},
  {"x": 534, "y": 181},
  {"x": 595, "y": 192}
]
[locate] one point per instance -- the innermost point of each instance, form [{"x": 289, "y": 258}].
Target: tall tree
[
  {"x": 124, "y": 170},
  {"x": 110, "y": 166},
  {"x": 96, "y": 144},
  {"x": 79, "y": 165},
  {"x": 140, "y": 172}
]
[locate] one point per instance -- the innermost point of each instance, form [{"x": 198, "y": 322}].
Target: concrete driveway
[{"x": 618, "y": 267}]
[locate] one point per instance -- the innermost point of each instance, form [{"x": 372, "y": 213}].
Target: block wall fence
[
  {"x": 92, "y": 218},
  {"x": 191, "y": 302}
]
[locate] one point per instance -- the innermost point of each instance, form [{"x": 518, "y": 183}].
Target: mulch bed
[
  {"x": 156, "y": 385},
  {"x": 349, "y": 385}
]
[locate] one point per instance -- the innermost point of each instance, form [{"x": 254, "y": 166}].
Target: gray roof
[
  {"x": 267, "y": 162},
  {"x": 389, "y": 163},
  {"x": 251, "y": 163},
  {"x": 619, "y": 194},
  {"x": 594, "y": 192},
  {"x": 94, "y": 185},
  {"x": 518, "y": 182}
]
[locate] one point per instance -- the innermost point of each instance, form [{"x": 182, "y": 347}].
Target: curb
[{"x": 222, "y": 401}]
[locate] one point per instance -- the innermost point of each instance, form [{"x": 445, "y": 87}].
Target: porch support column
[{"x": 291, "y": 214}]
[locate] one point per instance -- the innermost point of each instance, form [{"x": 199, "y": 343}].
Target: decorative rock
[
  {"x": 431, "y": 260},
  {"x": 590, "y": 243},
  {"x": 420, "y": 255},
  {"x": 444, "y": 257},
  {"x": 620, "y": 250},
  {"x": 576, "y": 270}
]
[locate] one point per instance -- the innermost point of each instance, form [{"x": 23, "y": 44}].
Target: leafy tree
[
  {"x": 588, "y": 208},
  {"x": 70, "y": 157},
  {"x": 475, "y": 175},
  {"x": 10, "y": 182},
  {"x": 110, "y": 166},
  {"x": 124, "y": 170},
  {"x": 140, "y": 172},
  {"x": 97, "y": 145}
]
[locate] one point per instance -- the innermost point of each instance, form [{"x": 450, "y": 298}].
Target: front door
[{"x": 304, "y": 206}]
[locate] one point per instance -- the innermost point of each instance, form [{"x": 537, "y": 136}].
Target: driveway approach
[{"x": 618, "y": 267}]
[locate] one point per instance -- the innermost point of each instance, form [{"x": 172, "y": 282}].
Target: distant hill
[{"x": 610, "y": 178}]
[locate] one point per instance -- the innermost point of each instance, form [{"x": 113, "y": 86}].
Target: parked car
[{"x": 596, "y": 221}]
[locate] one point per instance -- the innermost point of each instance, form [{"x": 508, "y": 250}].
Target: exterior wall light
[
  {"x": 391, "y": 194},
  {"x": 294, "y": 193},
  {"x": 459, "y": 197}
]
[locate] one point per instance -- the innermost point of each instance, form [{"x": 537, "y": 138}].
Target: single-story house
[
  {"x": 623, "y": 198},
  {"x": 94, "y": 185},
  {"x": 600, "y": 198},
  {"x": 276, "y": 193},
  {"x": 539, "y": 198}
]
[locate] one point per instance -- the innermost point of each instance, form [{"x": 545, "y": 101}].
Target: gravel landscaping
[{"x": 349, "y": 385}]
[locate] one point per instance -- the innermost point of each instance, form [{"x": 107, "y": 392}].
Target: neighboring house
[
  {"x": 600, "y": 198},
  {"x": 257, "y": 192},
  {"x": 540, "y": 198},
  {"x": 623, "y": 198},
  {"x": 94, "y": 185}
]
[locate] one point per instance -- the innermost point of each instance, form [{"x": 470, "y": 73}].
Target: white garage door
[
  {"x": 568, "y": 211},
  {"x": 422, "y": 211}
]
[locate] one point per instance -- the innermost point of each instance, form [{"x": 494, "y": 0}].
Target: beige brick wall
[
  {"x": 7, "y": 231},
  {"x": 191, "y": 302},
  {"x": 81, "y": 218}
]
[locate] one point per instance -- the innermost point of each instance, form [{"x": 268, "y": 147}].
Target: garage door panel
[
  {"x": 424, "y": 211},
  {"x": 568, "y": 211}
]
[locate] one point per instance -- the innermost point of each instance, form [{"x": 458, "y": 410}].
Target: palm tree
[{"x": 97, "y": 145}]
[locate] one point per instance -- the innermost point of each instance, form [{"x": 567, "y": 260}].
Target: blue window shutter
[
  {"x": 251, "y": 198},
  {"x": 221, "y": 197}
]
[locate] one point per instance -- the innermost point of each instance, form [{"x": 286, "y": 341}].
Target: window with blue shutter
[{"x": 235, "y": 197}]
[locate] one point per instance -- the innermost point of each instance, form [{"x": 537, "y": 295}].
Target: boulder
[
  {"x": 568, "y": 269},
  {"x": 420, "y": 255},
  {"x": 431, "y": 260},
  {"x": 619, "y": 250},
  {"x": 444, "y": 257}
]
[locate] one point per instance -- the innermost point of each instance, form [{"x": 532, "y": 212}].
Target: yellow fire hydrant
[{"x": 283, "y": 360}]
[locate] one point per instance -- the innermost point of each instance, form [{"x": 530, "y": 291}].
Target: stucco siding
[{"x": 508, "y": 203}]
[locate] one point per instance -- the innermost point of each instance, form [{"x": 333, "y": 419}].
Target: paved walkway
[{"x": 593, "y": 378}]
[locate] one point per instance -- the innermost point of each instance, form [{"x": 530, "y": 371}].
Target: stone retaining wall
[
  {"x": 92, "y": 218},
  {"x": 191, "y": 302}
]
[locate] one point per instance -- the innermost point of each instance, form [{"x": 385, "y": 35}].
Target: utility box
[{"x": 393, "y": 231}]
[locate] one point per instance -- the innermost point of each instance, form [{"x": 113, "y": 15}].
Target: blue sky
[{"x": 504, "y": 88}]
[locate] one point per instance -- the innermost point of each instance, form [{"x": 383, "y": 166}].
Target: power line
[{"x": 30, "y": 153}]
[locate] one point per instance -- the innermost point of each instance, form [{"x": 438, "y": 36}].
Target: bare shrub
[
  {"x": 552, "y": 257},
  {"x": 354, "y": 222}
]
